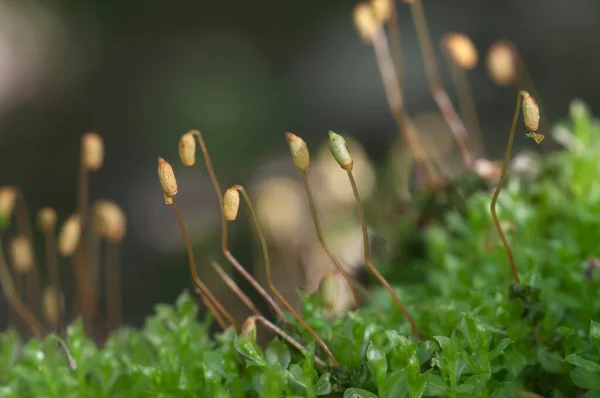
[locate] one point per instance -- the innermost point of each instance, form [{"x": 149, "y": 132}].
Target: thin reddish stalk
[
  {"x": 85, "y": 298},
  {"x": 271, "y": 326},
  {"x": 8, "y": 287},
  {"x": 52, "y": 265},
  {"x": 224, "y": 234},
  {"x": 396, "y": 44},
  {"x": 367, "y": 251},
  {"x": 467, "y": 106},
  {"x": 334, "y": 260},
  {"x": 437, "y": 91},
  {"x": 511, "y": 137},
  {"x": 274, "y": 289},
  {"x": 32, "y": 278},
  {"x": 395, "y": 100},
  {"x": 92, "y": 262},
  {"x": 112, "y": 269},
  {"x": 192, "y": 261},
  {"x": 234, "y": 287},
  {"x": 211, "y": 308}
]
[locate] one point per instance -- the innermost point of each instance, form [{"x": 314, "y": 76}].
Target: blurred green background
[{"x": 242, "y": 72}]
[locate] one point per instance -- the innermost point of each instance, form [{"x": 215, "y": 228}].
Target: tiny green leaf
[
  {"x": 248, "y": 348},
  {"x": 585, "y": 379},
  {"x": 272, "y": 382},
  {"x": 396, "y": 384},
  {"x": 358, "y": 393},
  {"x": 537, "y": 137},
  {"x": 514, "y": 361},
  {"x": 595, "y": 335},
  {"x": 550, "y": 361},
  {"x": 323, "y": 385},
  {"x": 426, "y": 350},
  {"x": 583, "y": 363},
  {"x": 278, "y": 353},
  {"x": 213, "y": 365},
  {"x": 435, "y": 386},
  {"x": 347, "y": 352},
  {"x": 297, "y": 376},
  {"x": 499, "y": 349},
  {"x": 377, "y": 363}
]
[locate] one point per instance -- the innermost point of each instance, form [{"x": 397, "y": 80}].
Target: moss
[{"x": 482, "y": 336}]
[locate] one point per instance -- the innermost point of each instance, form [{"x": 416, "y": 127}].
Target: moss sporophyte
[
  {"x": 77, "y": 239},
  {"x": 455, "y": 333}
]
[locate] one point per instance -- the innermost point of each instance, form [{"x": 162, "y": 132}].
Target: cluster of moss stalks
[
  {"x": 462, "y": 330},
  {"x": 479, "y": 334},
  {"x": 90, "y": 239}
]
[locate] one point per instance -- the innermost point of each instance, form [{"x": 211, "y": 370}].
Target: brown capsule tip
[
  {"x": 92, "y": 151},
  {"x": 299, "y": 151},
  {"x": 187, "y": 149},
  {"x": 460, "y": 50},
  {"x": 289, "y": 137},
  {"x": 167, "y": 177},
  {"x": 382, "y": 10},
  {"x": 22, "y": 254},
  {"x": 249, "y": 328},
  {"x": 109, "y": 220},
  {"x": 47, "y": 219},
  {"x": 503, "y": 63},
  {"x": 231, "y": 204},
  {"x": 531, "y": 111},
  {"x": 8, "y": 197},
  {"x": 365, "y": 22},
  {"x": 52, "y": 304},
  {"x": 69, "y": 235}
]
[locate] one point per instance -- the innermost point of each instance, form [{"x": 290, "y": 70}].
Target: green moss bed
[{"x": 483, "y": 336}]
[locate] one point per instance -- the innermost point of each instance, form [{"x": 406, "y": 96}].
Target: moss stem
[
  {"x": 112, "y": 269},
  {"x": 315, "y": 217},
  {"x": 192, "y": 261},
  {"x": 84, "y": 286},
  {"x": 224, "y": 234},
  {"x": 52, "y": 265},
  {"x": 439, "y": 94},
  {"x": 367, "y": 252},
  {"x": 395, "y": 100},
  {"x": 8, "y": 287},
  {"x": 269, "y": 325},
  {"x": 234, "y": 287},
  {"x": 499, "y": 188},
  {"x": 211, "y": 308},
  {"x": 468, "y": 109},
  {"x": 274, "y": 289},
  {"x": 396, "y": 44},
  {"x": 32, "y": 278}
]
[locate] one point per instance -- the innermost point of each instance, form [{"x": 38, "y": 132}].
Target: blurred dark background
[{"x": 242, "y": 72}]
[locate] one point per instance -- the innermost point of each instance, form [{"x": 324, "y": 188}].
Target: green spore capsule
[{"x": 339, "y": 150}]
